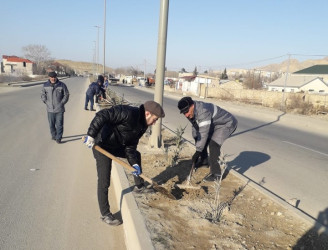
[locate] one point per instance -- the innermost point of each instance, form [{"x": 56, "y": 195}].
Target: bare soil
[{"x": 249, "y": 219}]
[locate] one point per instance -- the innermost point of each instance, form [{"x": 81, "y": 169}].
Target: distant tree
[
  {"x": 252, "y": 81},
  {"x": 183, "y": 70},
  {"x": 195, "y": 73},
  {"x": 38, "y": 54},
  {"x": 205, "y": 72},
  {"x": 224, "y": 75}
]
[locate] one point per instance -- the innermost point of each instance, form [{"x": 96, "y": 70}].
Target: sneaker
[
  {"x": 143, "y": 190},
  {"x": 92, "y": 110},
  {"x": 211, "y": 177},
  {"x": 110, "y": 220},
  {"x": 86, "y": 109},
  {"x": 58, "y": 141},
  {"x": 53, "y": 138}
]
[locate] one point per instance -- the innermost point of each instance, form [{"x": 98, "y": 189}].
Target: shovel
[
  {"x": 157, "y": 187},
  {"x": 187, "y": 184}
]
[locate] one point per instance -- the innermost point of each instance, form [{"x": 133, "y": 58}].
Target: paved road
[
  {"x": 287, "y": 153},
  {"x": 55, "y": 206}
]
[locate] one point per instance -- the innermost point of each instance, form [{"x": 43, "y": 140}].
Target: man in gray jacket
[
  {"x": 212, "y": 125},
  {"x": 55, "y": 95}
]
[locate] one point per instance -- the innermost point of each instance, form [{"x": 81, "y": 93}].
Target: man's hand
[
  {"x": 138, "y": 170},
  {"x": 195, "y": 157},
  {"x": 89, "y": 141}
]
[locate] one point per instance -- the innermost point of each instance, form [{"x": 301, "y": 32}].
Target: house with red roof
[{"x": 16, "y": 65}]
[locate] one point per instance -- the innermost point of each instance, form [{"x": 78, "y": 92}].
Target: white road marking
[{"x": 305, "y": 148}]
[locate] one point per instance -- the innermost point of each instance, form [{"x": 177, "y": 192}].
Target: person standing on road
[
  {"x": 55, "y": 95},
  {"x": 106, "y": 83},
  {"x": 118, "y": 130},
  {"x": 211, "y": 126},
  {"x": 94, "y": 89}
]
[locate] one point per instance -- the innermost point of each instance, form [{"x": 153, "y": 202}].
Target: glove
[
  {"x": 89, "y": 141},
  {"x": 138, "y": 170},
  {"x": 195, "y": 156}
]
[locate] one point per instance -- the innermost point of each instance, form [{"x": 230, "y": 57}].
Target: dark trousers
[
  {"x": 215, "y": 151},
  {"x": 104, "y": 167},
  {"x": 56, "y": 124},
  {"x": 87, "y": 99}
]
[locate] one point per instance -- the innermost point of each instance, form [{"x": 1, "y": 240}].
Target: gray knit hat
[{"x": 154, "y": 108}]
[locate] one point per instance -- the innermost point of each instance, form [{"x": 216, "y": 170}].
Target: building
[
  {"x": 16, "y": 65},
  {"x": 312, "y": 80}
]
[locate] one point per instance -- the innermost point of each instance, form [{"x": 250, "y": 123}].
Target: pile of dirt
[{"x": 235, "y": 217}]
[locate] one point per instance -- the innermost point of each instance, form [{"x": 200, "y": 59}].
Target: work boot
[
  {"x": 142, "y": 189},
  {"x": 110, "y": 220},
  {"x": 202, "y": 162},
  {"x": 211, "y": 177}
]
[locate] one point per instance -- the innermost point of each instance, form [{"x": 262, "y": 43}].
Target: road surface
[{"x": 48, "y": 196}]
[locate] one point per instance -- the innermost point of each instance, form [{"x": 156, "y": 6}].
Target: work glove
[
  {"x": 195, "y": 157},
  {"x": 89, "y": 141},
  {"x": 138, "y": 170}
]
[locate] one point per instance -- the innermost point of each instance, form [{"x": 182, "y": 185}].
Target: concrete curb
[{"x": 135, "y": 231}]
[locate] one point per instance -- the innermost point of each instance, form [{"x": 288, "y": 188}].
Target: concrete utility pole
[
  {"x": 104, "y": 66},
  {"x": 156, "y": 136},
  {"x": 283, "y": 106},
  {"x": 97, "y": 48}
]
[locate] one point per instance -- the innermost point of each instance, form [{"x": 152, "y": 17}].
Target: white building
[
  {"x": 16, "y": 65},
  {"x": 296, "y": 83}
]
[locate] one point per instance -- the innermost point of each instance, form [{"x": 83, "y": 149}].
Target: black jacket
[{"x": 119, "y": 128}]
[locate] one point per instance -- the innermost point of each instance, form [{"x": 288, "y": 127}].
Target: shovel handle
[{"x": 124, "y": 164}]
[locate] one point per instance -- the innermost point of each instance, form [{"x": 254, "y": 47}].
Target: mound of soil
[{"x": 226, "y": 215}]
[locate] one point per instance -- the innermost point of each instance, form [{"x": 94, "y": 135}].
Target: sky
[{"x": 207, "y": 34}]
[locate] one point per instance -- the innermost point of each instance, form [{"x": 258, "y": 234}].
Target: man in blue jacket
[
  {"x": 211, "y": 126},
  {"x": 94, "y": 89},
  {"x": 55, "y": 95}
]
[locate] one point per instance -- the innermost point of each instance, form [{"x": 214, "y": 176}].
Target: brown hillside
[
  {"x": 294, "y": 65},
  {"x": 81, "y": 67}
]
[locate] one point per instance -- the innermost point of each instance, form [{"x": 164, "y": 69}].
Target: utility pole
[
  {"x": 155, "y": 139},
  {"x": 104, "y": 66},
  {"x": 97, "y": 47},
  {"x": 283, "y": 106}
]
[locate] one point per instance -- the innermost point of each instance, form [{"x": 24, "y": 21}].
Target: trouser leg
[
  {"x": 59, "y": 125},
  {"x": 215, "y": 150},
  {"x": 204, "y": 153},
  {"x": 52, "y": 122},
  {"x": 104, "y": 167},
  {"x": 91, "y": 102},
  {"x": 138, "y": 180},
  {"x": 86, "y": 101}
]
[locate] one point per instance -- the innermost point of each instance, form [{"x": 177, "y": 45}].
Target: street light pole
[
  {"x": 97, "y": 47},
  {"x": 104, "y": 66},
  {"x": 156, "y": 136}
]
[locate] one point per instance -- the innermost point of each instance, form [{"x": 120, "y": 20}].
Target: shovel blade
[{"x": 163, "y": 191}]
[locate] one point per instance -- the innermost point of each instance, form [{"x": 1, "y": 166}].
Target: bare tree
[{"x": 39, "y": 54}]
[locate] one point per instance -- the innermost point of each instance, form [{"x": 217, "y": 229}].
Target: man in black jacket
[
  {"x": 118, "y": 130},
  {"x": 55, "y": 95}
]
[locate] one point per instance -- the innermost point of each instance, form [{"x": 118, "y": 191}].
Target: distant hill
[
  {"x": 294, "y": 65},
  {"x": 81, "y": 67}
]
